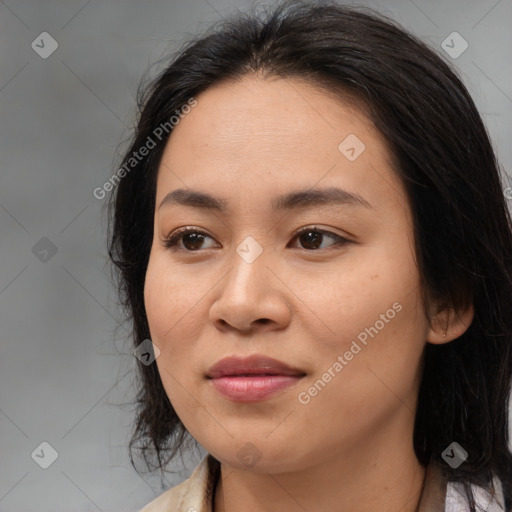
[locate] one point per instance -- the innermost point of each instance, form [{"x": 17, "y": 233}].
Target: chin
[{"x": 259, "y": 456}]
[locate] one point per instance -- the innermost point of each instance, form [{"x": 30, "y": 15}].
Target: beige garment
[{"x": 196, "y": 493}]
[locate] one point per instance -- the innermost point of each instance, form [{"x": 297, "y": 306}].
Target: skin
[{"x": 247, "y": 142}]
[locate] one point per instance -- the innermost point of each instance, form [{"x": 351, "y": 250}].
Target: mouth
[{"x": 252, "y": 379}]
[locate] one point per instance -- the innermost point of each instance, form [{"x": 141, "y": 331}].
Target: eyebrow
[{"x": 306, "y": 198}]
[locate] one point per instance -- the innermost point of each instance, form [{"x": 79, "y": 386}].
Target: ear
[{"x": 448, "y": 324}]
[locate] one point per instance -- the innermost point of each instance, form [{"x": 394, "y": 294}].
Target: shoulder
[
  {"x": 440, "y": 494},
  {"x": 193, "y": 494},
  {"x": 485, "y": 499}
]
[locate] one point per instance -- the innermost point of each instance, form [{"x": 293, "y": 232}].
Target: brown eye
[
  {"x": 191, "y": 240},
  {"x": 311, "y": 238}
]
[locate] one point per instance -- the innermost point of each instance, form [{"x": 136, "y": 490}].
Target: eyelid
[
  {"x": 172, "y": 240},
  {"x": 341, "y": 240}
]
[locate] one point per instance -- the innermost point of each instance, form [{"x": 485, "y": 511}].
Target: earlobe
[{"x": 449, "y": 324}]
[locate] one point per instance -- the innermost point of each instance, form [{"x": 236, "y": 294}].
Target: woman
[{"x": 310, "y": 228}]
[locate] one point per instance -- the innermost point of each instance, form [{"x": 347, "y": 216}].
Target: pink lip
[
  {"x": 252, "y": 378},
  {"x": 252, "y": 388}
]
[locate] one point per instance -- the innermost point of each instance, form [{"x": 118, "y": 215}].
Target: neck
[{"x": 382, "y": 474}]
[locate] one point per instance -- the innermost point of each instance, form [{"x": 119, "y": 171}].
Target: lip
[
  {"x": 252, "y": 378},
  {"x": 253, "y": 365}
]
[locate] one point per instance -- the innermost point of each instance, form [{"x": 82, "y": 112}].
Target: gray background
[{"x": 66, "y": 370}]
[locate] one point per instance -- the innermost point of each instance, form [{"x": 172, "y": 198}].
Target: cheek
[
  {"x": 352, "y": 300},
  {"x": 169, "y": 310},
  {"x": 374, "y": 314},
  {"x": 171, "y": 301}
]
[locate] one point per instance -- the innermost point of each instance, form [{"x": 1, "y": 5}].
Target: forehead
[
  {"x": 255, "y": 114},
  {"x": 256, "y": 135}
]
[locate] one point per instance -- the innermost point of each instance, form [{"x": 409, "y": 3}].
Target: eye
[
  {"x": 313, "y": 237},
  {"x": 191, "y": 239}
]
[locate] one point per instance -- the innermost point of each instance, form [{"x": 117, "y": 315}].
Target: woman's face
[{"x": 341, "y": 304}]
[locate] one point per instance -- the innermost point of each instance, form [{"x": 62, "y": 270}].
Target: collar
[{"x": 195, "y": 494}]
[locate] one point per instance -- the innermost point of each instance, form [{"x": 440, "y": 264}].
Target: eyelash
[{"x": 171, "y": 242}]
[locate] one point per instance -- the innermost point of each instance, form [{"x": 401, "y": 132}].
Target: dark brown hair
[{"x": 443, "y": 155}]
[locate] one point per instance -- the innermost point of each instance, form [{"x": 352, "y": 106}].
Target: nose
[{"x": 251, "y": 297}]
